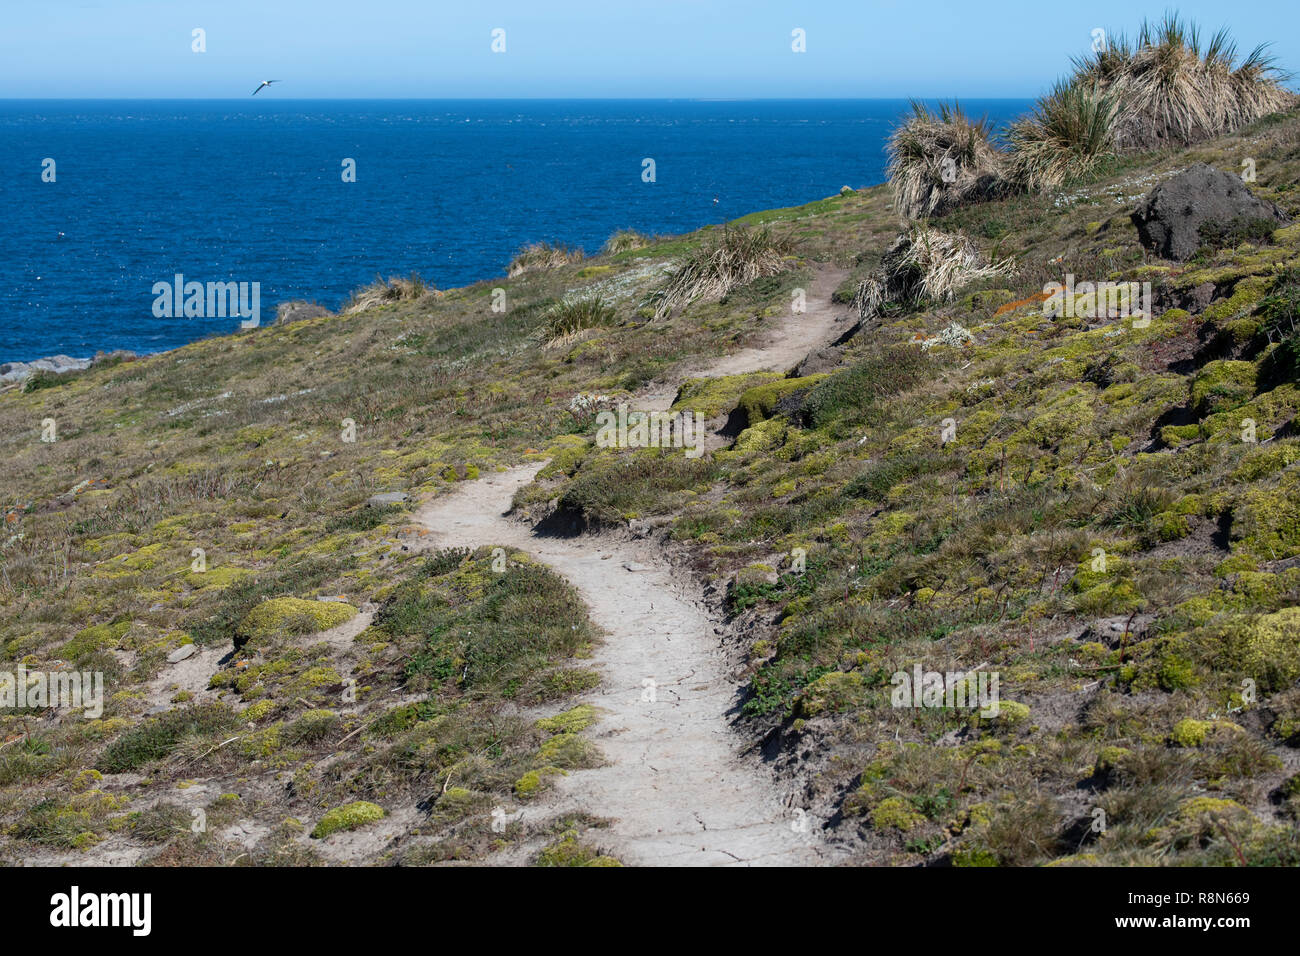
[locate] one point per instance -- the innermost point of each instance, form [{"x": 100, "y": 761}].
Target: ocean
[{"x": 253, "y": 191}]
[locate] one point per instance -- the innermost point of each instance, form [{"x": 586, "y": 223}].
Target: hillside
[{"x": 1071, "y": 503}]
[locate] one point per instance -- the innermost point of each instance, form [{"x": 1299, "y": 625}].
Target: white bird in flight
[{"x": 264, "y": 83}]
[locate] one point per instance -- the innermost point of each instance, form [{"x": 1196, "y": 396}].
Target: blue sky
[{"x": 576, "y": 48}]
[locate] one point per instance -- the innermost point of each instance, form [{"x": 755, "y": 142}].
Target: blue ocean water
[{"x": 252, "y": 191}]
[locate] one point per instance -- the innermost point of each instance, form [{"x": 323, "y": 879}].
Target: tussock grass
[
  {"x": 923, "y": 265},
  {"x": 1174, "y": 89},
  {"x": 540, "y": 256},
  {"x": 386, "y": 292},
  {"x": 623, "y": 241},
  {"x": 564, "y": 321},
  {"x": 741, "y": 255},
  {"x": 940, "y": 160},
  {"x": 1067, "y": 137}
]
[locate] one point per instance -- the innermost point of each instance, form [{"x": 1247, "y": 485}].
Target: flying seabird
[{"x": 264, "y": 83}]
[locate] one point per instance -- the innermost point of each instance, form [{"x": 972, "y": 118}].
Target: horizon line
[{"x": 499, "y": 99}]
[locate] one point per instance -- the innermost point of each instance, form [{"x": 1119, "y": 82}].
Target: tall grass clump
[
  {"x": 386, "y": 292},
  {"x": 624, "y": 240},
  {"x": 938, "y": 161},
  {"x": 540, "y": 256},
  {"x": 1173, "y": 89},
  {"x": 711, "y": 271},
  {"x": 924, "y": 265},
  {"x": 563, "y": 321},
  {"x": 1069, "y": 134}
]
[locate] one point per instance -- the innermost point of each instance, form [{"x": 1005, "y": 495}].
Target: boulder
[
  {"x": 58, "y": 364},
  {"x": 184, "y": 652},
  {"x": 386, "y": 498},
  {"x": 1169, "y": 219}
]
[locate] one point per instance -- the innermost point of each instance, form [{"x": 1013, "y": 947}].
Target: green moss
[
  {"x": 1012, "y": 713},
  {"x": 350, "y": 816},
  {"x": 1267, "y": 521},
  {"x": 569, "y": 850},
  {"x": 711, "y": 397},
  {"x": 567, "y": 453},
  {"x": 1068, "y": 415},
  {"x": 1222, "y": 386},
  {"x": 974, "y": 856},
  {"x": 1176, "y": 672},
  {"x": 1199, "y": 807},
  {"x": 759, "y": 403},
  {"x": 570, "y": 722},
  {"x": 218, "y": 577},
  {"x": 831, "y": 693},
  {"x": 1264, "y": 647},
  {"x": 764, "y": 436},
  {"x": 94, "y": 638},
  {"x": 257, "y": 710},
  {"x": 1175, "y": 435},
  {"x": 1194, "y": 733},
  {"x": 1171, "y": 526},
  {"x": 569, "y": 750},
  {"x": 291, "y": 617},
  {"x": 534, "y": 781},
  {"x": 1233, "y": 314},
  {"x": 1263, "y": 460},
  {"x": 896, "y": 813}
]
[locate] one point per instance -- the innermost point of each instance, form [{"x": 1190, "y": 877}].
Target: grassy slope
[
  {"x": 974, "y": 551},
  {"x": 1071, "y": 436}
]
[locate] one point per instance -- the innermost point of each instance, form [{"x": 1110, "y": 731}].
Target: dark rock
[
  {"x": 791, "y": 405},
  {"x": 1194, "y": 300},
  {"x": 1169, "y": 219},
  {"x": 823, "y": 360}
]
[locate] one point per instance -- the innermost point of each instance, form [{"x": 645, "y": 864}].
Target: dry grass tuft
[
  {"x": 623, "y": 241},
  {"x": 1070, "y": 133},
  {"x": 741, "y": 255},
  {"x": 939, "y": 161},
  {"x": 924, "y": 265},
  {"x": 386, "y": 292},
  {"x": 1174, "y": 90},
  {"x": 565, "y": 321},
  {"x": 542, "y": 255}
]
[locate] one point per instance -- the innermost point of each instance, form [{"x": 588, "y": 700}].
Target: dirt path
[
  {"x": 780, "y": 349},
  {"x": 675, "y": 787}
]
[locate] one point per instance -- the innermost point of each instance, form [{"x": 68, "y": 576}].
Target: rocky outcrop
[
  {"x": 14, "y": 372},
  {"x": 11, "y": 372},
  {"x": 1170, "y": 218}
]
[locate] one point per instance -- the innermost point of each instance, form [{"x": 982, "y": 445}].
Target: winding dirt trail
[
  {"x": 779, "y": 348},
  {"x": 675, "y": 788}
]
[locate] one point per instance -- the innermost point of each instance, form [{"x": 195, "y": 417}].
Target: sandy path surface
[
  {"x": 676, "y": 788},
  {"x": 779, "y": 349}
]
